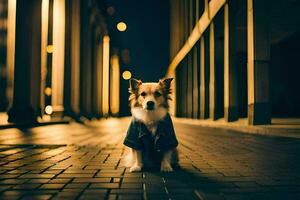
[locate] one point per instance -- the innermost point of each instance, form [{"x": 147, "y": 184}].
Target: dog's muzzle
[{"x": 150, "y": 105}]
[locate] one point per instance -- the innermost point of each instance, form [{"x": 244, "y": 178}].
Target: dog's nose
[{"x": 150, "y": 105}]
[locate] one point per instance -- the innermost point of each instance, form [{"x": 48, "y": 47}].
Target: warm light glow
[
  {"x": 10, "y": 50},
  {"x": 226, "y": 57},
  {"x": 115, "y": 85},
  {"x": 44, "y": 50},
  {"x": 58, "y": 58},
  {"x": 48, "y": 91},
  {"x": 126, "y": 75},
  {"x": 105, "y": 78},
  {"x": 48, "y": 110},
  {"x": 121, "y": 26},
  {"x": 250, "y": 52},
  {"x": 49, "y": 48},
  {"x": 46, "y": 118}
]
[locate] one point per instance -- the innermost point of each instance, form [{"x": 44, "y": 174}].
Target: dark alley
[{"x": 149, "y": 100}]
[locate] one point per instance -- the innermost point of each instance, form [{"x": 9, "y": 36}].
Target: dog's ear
[
  {"x": 134, "y": 84},
  {"x": 166, "y": 83}
]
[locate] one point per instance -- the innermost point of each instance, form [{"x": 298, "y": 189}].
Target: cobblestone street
[{"x": 75, "y": 161}]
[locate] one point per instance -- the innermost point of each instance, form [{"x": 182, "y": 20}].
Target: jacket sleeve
[
  {"x": 169, "y": 140},
  {"x": 132, "y": 139}
]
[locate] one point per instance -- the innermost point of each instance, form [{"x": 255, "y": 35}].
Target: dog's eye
[
  {"x": 143, "y": 94},
  {"x": 157, "y": 94}
]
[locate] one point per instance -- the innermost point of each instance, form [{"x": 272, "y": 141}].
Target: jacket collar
[{"x": 143, "y": 131}]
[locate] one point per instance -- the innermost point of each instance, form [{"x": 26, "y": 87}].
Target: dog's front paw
[
  {"x": 166, "y": 167},
  {"x": 135, "y": 168}
]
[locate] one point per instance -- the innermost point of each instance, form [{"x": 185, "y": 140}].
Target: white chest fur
[{"x": 149, "y": 118}]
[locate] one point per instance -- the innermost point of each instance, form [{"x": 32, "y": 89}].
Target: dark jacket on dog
[{"x": 140, "y": 138}]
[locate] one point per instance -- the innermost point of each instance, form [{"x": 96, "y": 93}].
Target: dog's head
[{"x": 150, "y": 96}]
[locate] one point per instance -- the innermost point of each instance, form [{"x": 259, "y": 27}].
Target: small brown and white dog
[{"x": 151, "y": 135}]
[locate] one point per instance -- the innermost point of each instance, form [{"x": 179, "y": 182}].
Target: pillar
[
  {"x": 196, "y": 65},
  {"x": 212, "y": 76},
  {"x": 259, "y": 111},
  {"x": 85, "y": 61},
  {"x": 190, "y": 56},
  {"x": 114, "y": 85},
  {"x": 10, "y": 50},
  {"x": 68, "y": 66},
  {"x": 58, "y": 63},
  {"x": 99, "y": 77},
  {"x": 204, "y": 88},
  {"x": 105, "y": 75},
  {"x": 230, "y": 68},
  {"x": 26, "y": 95},
  {"x": 75, "y": 58},
  {"x": 97, "y": 73}
]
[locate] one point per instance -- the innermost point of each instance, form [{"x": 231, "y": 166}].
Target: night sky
[{"x": 146, "y": 37}]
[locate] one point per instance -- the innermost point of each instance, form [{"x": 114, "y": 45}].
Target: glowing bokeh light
[
  {"x": 48, "y": 91},
  {"x": 50, "y": 49},
  {"x": 126, "y": 75},
  {"x": 49, "y": 110},
  {"x": 121, "y": 26}
]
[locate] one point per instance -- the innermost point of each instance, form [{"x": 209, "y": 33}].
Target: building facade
[
  {"x": 235, "y": 59},
  {"x": 55, "y": 60}
]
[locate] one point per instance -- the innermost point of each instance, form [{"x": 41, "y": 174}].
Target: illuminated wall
[
  {"x": 44, "y": 44},
  {"x": 58, "y": 54},
  {"x": 10, "y": 60},
  {"x": 115, "y": 85},
  {"x": 105, "y": 76}
]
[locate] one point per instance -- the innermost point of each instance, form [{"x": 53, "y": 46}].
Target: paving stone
[
  {"x": 44, "y": 180},
  {"x": 91, "y": 180},
  {"x": 215, "y": 165},
  {"x": 38, "y": 176},
  {"x": 130, "y": 197},
  {"x": 55, "y": 186},
  {"x": 105, "y": 185},
  {"x": 132, "y": 185},
  {"x": 37, "y": 197},
  {"x": 75, "y": 176},
  {"x": 26, "y": 186},
  {"x": 12, "y": 181},
  {"x": 127, "y": 191}
]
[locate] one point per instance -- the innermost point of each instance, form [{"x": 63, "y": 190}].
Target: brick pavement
[{"x": 85, "y": 162}]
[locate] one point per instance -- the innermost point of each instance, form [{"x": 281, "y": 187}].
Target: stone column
[
  {"x": 75, "y": 57},
  {"x": 85, "y": 61},
  {"x": 97, "y": 74},
  {"x": 26, "y": 97},
  {"x": 68, "y": 66},
  {"x": 230, "y": 68},
  {"x": 58, "y": 57},
  {"x": 259, "y": 111},
  {"x": 212, "y": 77},
  {"x": 204, "y": 77},
  {"x": 196, "y": 63},
  {"x": 189, "y": 58},
  {"x": 10, "y": 49}
]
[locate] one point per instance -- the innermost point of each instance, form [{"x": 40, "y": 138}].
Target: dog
[{"x": 151, "y": 134}]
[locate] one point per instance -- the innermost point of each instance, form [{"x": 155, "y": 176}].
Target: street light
[
  {"x": 48, "y": 110},
  {"x": 126, "y": 75},
  {"x": 121, "y": 26}
]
